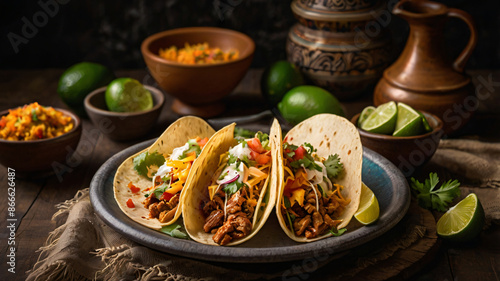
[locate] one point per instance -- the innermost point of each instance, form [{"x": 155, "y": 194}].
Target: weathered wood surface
[{"x": 36, "y": 199}]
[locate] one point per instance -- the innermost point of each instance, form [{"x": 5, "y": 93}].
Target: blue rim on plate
[{"x": 270, "y": 244}]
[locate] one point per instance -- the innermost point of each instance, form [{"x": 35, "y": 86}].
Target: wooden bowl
[
  {"x": 44, "y": 157},
  {"x": 198, "y": 88},
  {"x": 121, "y": 126},
  {"x": 407, "y": 153}
]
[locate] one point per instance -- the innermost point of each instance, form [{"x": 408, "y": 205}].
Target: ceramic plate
[{"x": 270, "y": 244}]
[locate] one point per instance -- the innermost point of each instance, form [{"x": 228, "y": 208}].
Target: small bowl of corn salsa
[{"x": 37, "y": 140}]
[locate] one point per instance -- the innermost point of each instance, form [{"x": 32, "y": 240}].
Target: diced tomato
[
  {"x": 299, "y": 153},
  {"x": 133, "y": 188},
  {"x": 254, "y": 155},
  {"x": 3, "y": 122},
  {"x": 166, "y": 196},
  {"x": 263, "y": 158},
  {"x": 255, "y": 145},
  {"x": 202, "y": 141},
  {"x": 130, "y": 203},
  {"x": 39, "y": 133}
]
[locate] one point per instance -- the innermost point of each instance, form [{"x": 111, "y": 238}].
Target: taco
[
  {"x": 319, "y": 177},
  {"x": 149, "y": 185},
  {"x": 234, "y": 192}
]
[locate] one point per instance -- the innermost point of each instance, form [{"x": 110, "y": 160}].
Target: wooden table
[{"x": 36, "y": 199}]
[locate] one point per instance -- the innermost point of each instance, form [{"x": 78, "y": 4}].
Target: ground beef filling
[
  {"x": 238, "y": 223},
  {"x": 162, "y": 210},
  {"x": 309, "y": 221}
]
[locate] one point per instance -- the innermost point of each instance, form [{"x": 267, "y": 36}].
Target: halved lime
[
  {"x": 368, "y": 210},
  {"x": 382, "y": 120},
  {"x": 364, "y": 114},
  {"x": 463, "y": 221},
  {"x": 127, "y": 95},
  {"x": 409, "y": 122}
]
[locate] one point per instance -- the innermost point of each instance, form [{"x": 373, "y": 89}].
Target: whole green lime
[
  {"x": 278, "y": 79},
  {"x": 127, "y": 95},
  {"x": 305, "y": 101},
  {"x": 81, "y": 79}
]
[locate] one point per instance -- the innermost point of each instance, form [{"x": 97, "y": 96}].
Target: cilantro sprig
[
  {"x": 431, "y": 197},
  {"x": 145, "y": 160},
  {"x": 333, "y": 166}
]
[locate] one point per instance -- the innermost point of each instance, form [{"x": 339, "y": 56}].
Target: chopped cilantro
[
  {"x": 307, "y": 162},
  {"x": 232, "y": 188},
  {"x": 193, "y": 146},
  {"x": 243, "y": 141},
  {"x": 333, "y": 165},
  {"x": 232, "y": 159},
  {"x": 436, "y": 198},
  {"x": 264, "y": 139},
  {"x": 290, "y": 147},
  {"x": 174, "y": 230},
  {"x": 34, "y": 117},
  {"x": 247, "y": 162},
  {"x": 310, "y": 148},
  {"x": 145, "y": 160}
]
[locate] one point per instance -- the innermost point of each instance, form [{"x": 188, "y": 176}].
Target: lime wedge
[
  {"x": 364, "y": 114},
  {"x": 382, "y": 120},
  {"x": 368, "y": 210},
  {"x": 127, "y": 95},
  {"x": 409, "y": 122},
  {"x": 463, "y": 221},
  {"x": 425, "y": 123}
]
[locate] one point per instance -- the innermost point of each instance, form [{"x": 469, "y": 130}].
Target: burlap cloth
[{"x": 84, "y": 248}]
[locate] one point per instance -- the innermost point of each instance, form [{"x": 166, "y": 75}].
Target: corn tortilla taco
[
  {"x": 319, "y": 177},
  {"x": 149, "y": 186},
  {"x": 234, "y": 191}
]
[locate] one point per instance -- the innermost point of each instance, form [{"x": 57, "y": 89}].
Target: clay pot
[
  {"x": 198, "y": 89},
  {"x": 341, "y": 46},
  {"x": 422, "y": 77}
]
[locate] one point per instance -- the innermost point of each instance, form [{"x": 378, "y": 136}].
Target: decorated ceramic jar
[{"x": 340, "y": 45}]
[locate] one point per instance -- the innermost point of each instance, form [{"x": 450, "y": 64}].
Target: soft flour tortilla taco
[
  {"x": 234, "y": 192},
  {"x": 319, "y": 177},
  {"x": 149, "y": 185}
]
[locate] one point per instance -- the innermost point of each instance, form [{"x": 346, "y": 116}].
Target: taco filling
[
  {"x": 162, "y": 197},
  {"x": 312, "y": 202},
  {"x": 237, "y": 189}
]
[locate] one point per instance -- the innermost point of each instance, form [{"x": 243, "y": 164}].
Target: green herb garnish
[
  {"x": 430, "y": 197},
  {"x": 174, "y": 230},
  {"x": 145, "y": 160}
]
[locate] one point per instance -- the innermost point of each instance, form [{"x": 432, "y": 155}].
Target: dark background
[{"x": 111, "y": 31}]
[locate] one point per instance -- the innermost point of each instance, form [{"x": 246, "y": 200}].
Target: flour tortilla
[
  {"x": 176, "y": 135},
  {"x": 220, "y": 143},
  {"x": 329, "y": 134}
]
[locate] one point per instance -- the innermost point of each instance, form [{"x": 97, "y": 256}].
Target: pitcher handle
[{"x": 462, "y": 59}]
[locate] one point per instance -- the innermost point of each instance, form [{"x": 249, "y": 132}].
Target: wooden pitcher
[{"x": 422, "y": 77}]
